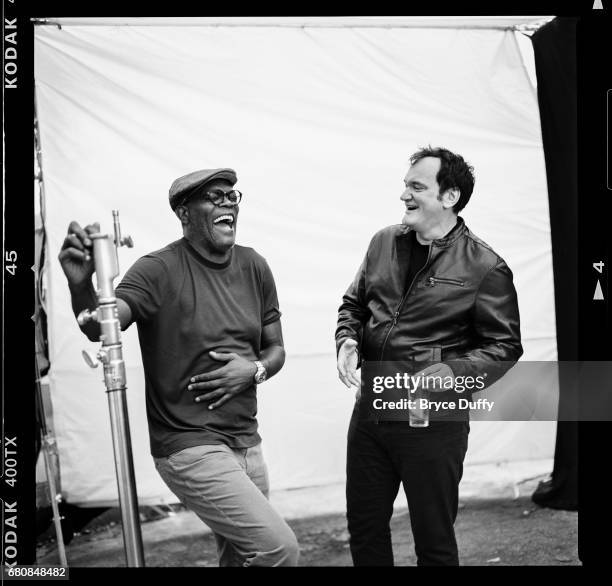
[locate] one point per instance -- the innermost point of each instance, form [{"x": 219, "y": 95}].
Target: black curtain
[{"x": 554, "y": 46}]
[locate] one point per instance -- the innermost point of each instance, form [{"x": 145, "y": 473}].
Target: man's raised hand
[{"x": 76, "y": 255}]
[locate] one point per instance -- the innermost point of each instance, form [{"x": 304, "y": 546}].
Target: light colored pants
[{"x": 228, "y": 489}]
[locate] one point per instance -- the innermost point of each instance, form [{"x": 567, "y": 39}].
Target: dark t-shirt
[
  {"x": 418, "y": 258},
  {"x": 184, "y": 307}
]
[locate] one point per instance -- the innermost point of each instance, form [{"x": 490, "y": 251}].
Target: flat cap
[{"x": 183, "y": 185}]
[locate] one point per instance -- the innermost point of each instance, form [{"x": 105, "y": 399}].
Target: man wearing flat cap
[{"x": 209, "y": 329}]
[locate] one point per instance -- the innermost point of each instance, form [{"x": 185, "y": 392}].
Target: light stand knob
[
  {"x": 127, "y": 241},
  {"x": 90, "y": 358},
  {"x": 86, "y": 316}
]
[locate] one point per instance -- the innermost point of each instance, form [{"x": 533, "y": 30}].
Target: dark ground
[{"x": 490, "y": 532}]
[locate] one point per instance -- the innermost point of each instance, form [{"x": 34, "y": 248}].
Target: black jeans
[{"x": 429, "y": 463}]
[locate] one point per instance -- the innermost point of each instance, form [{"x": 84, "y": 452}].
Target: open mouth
[
  {"x": 411, "y": 208},
  {"x": 225, "y": 221}
]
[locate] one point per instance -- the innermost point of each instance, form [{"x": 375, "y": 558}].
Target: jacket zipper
[
  {"x": 399, "y": 307},
  {"x": 434, "y": 280}
]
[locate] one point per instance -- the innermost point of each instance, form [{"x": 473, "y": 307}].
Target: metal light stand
[
  {"x": 111, "y": 356},
  {"x": 48, "y": 443},
  {"x": 49, "y": 450}
]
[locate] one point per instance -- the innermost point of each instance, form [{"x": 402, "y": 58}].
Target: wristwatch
[{"x": 261, "y": 374}]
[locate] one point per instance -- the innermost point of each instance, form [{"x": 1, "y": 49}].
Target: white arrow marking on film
[{"x": 598, "y": 292}]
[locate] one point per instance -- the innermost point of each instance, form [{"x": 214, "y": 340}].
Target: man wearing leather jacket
[{"x": 428, "y": 290}]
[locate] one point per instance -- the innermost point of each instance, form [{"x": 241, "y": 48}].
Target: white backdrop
[{"x": 319, "y": 124}]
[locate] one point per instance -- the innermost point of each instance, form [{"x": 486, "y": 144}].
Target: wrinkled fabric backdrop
[{"x": 319, "y": 124}]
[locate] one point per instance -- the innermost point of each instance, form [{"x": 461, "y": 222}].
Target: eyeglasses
[{"x": 218, "y": 196}]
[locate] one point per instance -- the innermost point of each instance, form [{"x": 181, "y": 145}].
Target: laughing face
[
  {"x": 211, "y": 227},
  {"x": 426, "y": 208}
]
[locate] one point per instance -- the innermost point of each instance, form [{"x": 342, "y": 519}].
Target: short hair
[{"x": 454, "y": 173}]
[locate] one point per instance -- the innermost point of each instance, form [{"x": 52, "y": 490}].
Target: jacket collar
[{"x": 458, "y": 230}]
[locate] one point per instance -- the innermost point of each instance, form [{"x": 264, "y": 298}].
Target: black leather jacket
[{"x": 461, "y": 306}]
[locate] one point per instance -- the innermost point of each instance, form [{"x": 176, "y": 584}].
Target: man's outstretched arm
[{"x": 77, "y": 262}]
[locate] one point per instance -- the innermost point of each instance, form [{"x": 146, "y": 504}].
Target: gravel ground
[{"x": 503, "y": 532}]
